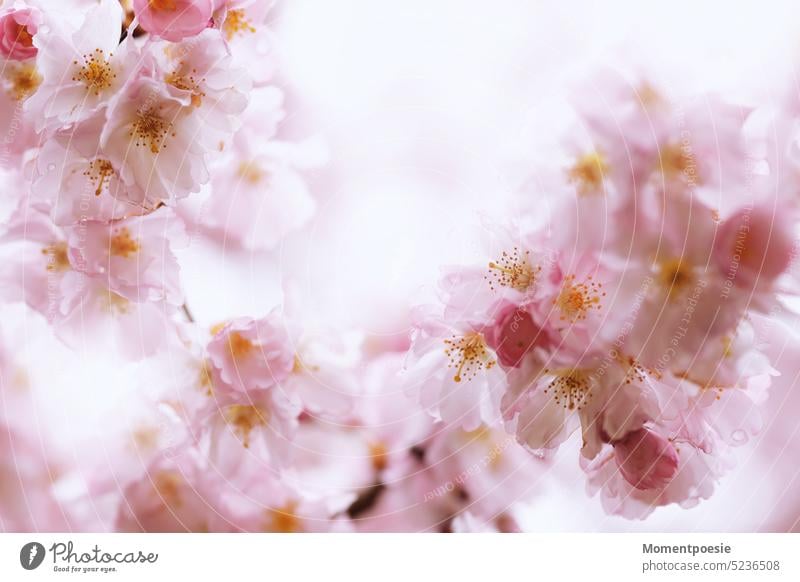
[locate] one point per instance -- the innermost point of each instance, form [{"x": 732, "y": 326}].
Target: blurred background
[{"x": 434, "y": 113}]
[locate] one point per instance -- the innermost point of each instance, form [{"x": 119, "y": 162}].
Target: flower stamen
[
  {"x": 588, "y": 173},
  {"x": 468, "y": 355},
  {"x": 96, "y": 73},
  {"x": 98, "y": 173},
  {"x": 570, "y": 389},
  {"x": 576, "y": 300},
  {"x": 236, "y": 23},
  {"x": 244, "y": 418},
  {"x": 122, "y": 244},
  {"x": 513, "y": 270}
]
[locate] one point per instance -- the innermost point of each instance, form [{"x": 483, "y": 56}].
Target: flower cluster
[
  {"x": 113, "y": 118},
  {"x": 623, "y": 302}
]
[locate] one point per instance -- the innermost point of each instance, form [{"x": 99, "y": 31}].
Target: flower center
[
  {"x": 117, "y": 304},
  {"x": 96, "y": 73},
  {"x": 576, "y": 300},
  {"x": 468, "y": 355},
  {"x": 244, "y": 418},
  {"x": 98, "y": 173},
  {"x": 150, "y": 129},
  {"x": 677, "y": 160},
  {"x": 283, "y": 520},
  {"x": 251, "y": 172},
  {"x": 58, "y": 260},
  {"x": 122, "y": 244},
  {"x": 239, "y": 345},
  {"x": 675, "y": 275},
  {"x": 187, "y": 82},
  {"x": 24, "y": 80},
  {"x": 588, "y": 173},
  {"x": 24, "y": 37},
  {"x": 167, "y": 485},
  {"x": 204, "y": 378},
  {"x": 570, "y": 388},
  {"x": 513, "y": 270},
  {"x": 634, "y": 371},
  {"x": 236, "y": 23}
]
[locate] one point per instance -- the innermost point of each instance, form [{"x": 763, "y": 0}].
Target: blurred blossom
[{"x": 343, "y": 267}]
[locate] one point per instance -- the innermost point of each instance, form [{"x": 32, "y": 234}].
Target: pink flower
[
  {"x": 754, "y": 246},
  {"x": 18, "y": 27},
  {"x": 325, "y": 374},
  {"x": 37, "y": 260},
  {"x": 243, "y": 24},
  {"x": 82, "y": 69},
  {"x": 235, "y": 428},
  {"x": 646, "y": 460},
  {"x": 486, "y": 468},
  {"x": 76, "y": 180},
  {"x": 453, "y": 372},
  {"x": 575, "y": 301},
  {"x": 687, "y": 472},
  {"x": 82, "y": 308},
  {"x": 607, "y": 396},
  {"x": 90, "y": 313},
  {"x": 174, "y": 20},
  {"x": 133, "y": 257},
  {"x": 179, "y": 106},
  {"x": 154, "y": 140},
  {"x": 175, "y": 494},
  {"x": 258, "y": 195},
  {"x": 513, "y": 273},
  {"x": 252, "y": 354},
  {"x": 260, "y": 502}
]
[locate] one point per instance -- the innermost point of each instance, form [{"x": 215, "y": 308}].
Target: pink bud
[
  {"x": 174, "y": 20},
  {"x": 755, "y": 244},
  {"x": 513, "y": 335},
  {"x": 646, "y": 459}
]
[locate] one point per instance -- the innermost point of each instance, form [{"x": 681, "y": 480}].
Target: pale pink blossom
[
  {"x": 81, "y": 70},
  {"x": 134, "y": 257},
  {"x": 235, "y": 429},
  {"x": 166, "y": 121},
  {"x": 605, "y": 395},
  {"x": 252, "y": 354},
  {"x": 175, "y": 494},
  {"x": 77, "y": 181},
  {"x": 485, "y": 467},
  {"x": 243, "y": 24},
  {"x": 36, "y": 260},
  {"x": 91, "y": 314},
  {"x": 258, "y": 195},
  {"x": 453, "y": 372},
  {"x": 513, "y": 272},
  {"x": 264, "y": 503}
]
